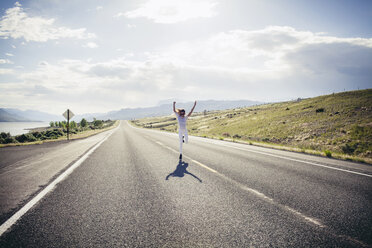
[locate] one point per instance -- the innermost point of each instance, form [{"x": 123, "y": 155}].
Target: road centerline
[
  {"x": 217, "y": 142},
  {"x": 306, "y": 218},
  {"x": 310, "y": 220}
]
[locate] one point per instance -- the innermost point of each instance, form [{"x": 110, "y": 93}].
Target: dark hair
[{"x": 180, "y": 110}]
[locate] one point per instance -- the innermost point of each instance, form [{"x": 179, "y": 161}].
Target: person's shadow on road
[{"x": 181, "y": 170}]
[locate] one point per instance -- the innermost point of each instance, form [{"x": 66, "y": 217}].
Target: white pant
[{"x": 182, "y": 132}]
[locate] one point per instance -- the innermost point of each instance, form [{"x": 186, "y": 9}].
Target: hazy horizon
[
  {"x": 169, "y": 102},
  {"x": 95, "y": 56}
]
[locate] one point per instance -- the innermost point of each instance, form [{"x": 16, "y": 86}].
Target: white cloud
[
  {"x": 270, "y": 52},
  {"x": 268, "y": 64},
  {"x": 173, "y": 11},
  {"x": 17, "y": 24},
  {"x": 6, "y": 71},
  {"x": 92, "y": 87},
  {"x": 120, "y": 14},
  {"x": 5, "y": 61},
  {"x": 9, "y": 54},
  {"x": 131, "y": 25},
  {"x": 43, "y": 63},
  {"x": 90, "y": 45},
  {"x": 271, "y": 63},
  {"x": 99, "y": 8}
]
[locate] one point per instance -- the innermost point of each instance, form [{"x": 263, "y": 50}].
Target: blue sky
[{"x": 97, "y": 56}]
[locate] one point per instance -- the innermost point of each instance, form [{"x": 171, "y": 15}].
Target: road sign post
[{"x": 68, "y": 115}]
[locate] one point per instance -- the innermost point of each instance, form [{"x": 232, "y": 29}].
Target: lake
[{"x": 16, "y": 128}]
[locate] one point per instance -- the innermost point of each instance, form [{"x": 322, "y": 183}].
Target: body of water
[{"x": 16, "y": 128}]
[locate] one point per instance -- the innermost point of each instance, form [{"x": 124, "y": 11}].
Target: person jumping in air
[{"x": 182, "y": 130}]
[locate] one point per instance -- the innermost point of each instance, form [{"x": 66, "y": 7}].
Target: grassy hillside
[{"x": 338, "y": 125}]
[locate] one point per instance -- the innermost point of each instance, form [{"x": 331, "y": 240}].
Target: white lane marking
[
  {"x": 217, "y": 142},
  {"x": 301, "y": 161},
  {"x": 202, "y": 165},
  {"x": 196, "y": 162},
  {"x": 270, "y": 200},
  {"x": 14, "y": 218},
  {"x": 259, "y": 194},
  {"x": 251, "y": 190},
  {"x": 309, "y": 219}
]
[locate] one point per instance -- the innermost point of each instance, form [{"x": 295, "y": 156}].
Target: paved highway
[
  {"x": 25, "y": 170},
  {"x": 132, "y": 191}
]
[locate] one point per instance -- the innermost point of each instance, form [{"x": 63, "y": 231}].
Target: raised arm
[
  {"x": 192, "y": 109},
  {"x": 174, "y": 107}
]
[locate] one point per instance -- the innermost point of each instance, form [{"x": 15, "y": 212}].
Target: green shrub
[
  {"x": 58, "y": 132},
  {"x": 83, "y": 123},
  {"x": 6, "y": 138},
  {"x": 328, "y": 153},
  {"x": 53, "y": 133},
  {"x": 348, "y": 149},
  {"x": 4, "y": 135},
  {"x": 73, "y": 125},
  {"x": 10, "y": 140},
  {"x": 99, "y": 123},
  {"x": 26, "y": 137},
  {"x": 37, "y": 135}
]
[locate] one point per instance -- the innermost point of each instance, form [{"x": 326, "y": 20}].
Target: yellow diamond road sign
[{"x": 68, "y": 114}]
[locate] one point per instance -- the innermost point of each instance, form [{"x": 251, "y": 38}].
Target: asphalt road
[
  {"x": 132, "y": 191},
  {"x": 25, "y": 170}
]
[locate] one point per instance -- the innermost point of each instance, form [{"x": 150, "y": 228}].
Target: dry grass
[{"x": 340, "y": 124}]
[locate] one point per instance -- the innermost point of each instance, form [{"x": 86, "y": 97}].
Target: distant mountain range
[
  {"x": 166, "y": 109},
  {"x": 8, "y": 114}
]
